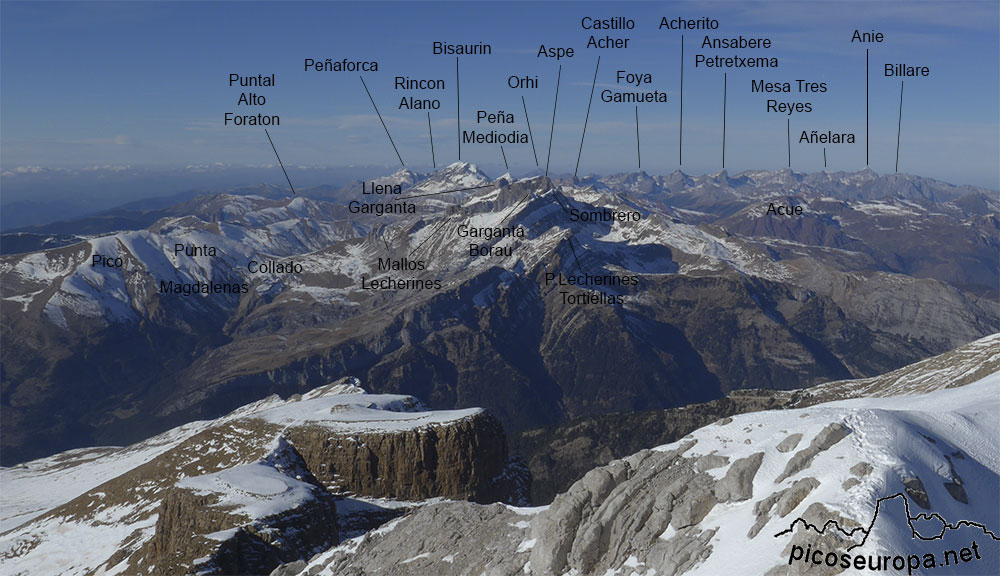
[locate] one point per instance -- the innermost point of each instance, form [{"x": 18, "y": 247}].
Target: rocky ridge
[
  {"x": 879, "y": 272},
  {"x": 725, "y": 495},
  {"x": 560, "y": 455},
  {"x": 252, "y": 490}
]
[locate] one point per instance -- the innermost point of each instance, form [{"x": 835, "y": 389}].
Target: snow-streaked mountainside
[
  {"x": 277, "y": 483},
  {"x": 251, "y": 473},
  {"x": 560, "y": 455},
  {"x": 964, "y": 365},
  {"x": 44, "y": 484},
  {"x": 719, "y": 500},
  {"x": 879, "y": 271},
  {"x": 242, "y": 227}
]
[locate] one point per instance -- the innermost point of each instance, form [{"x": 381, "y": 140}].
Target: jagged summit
[
  {"x": 460, "y": 166},
  {"x": 459, "y": 169},
  {"x": 458, "y": 176},
  {"x": 870, "y": 276},
  {"x": 404, "y": 177},
  {"x": 700, "y": 249},
  {"x": 349, "y": 385}
]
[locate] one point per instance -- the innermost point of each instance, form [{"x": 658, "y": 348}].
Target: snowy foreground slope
[{"x": 720, "y": 500}]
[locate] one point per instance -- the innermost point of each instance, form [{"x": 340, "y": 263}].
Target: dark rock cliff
[{"x": 463, "y": 460}]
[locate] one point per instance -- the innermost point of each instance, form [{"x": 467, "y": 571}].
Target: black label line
[
  {"x": 555, "y": 105},
  {"x": 788, "y": 136},
  {"x": 824, "y": 156},
  {"x": 530, "y": 135},
  {"x": 867, "y": 129},
  {"x": 909, "y": 520},
  {"x": 724, "y": 95},
  {"x": 444, "y": 220},
  {"x": 442, "y": 192},
  {"x": 638, "y": 154},
  {"x": 514, "y": 209},
  {"x": 587, "y": 119},
  {"x": 899, "y": 126},
  {"x": 431, "y": 132},
  {"x": 504, "y": 154},
  {"x": 458, "y": 109},
  {"x": 381, "y": 120},
  {"x": 553, "y": 128},
  {"x": 575, "y": 257},
  {"x": 680, "y": 135},
  {"x": 279, "y": 161},
  {"x": 555, "y": 195}
]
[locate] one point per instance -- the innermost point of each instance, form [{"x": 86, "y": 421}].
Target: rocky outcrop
[
  {"x": 250, "y": 520},
  {"x": 833, "y": 433},
  {"x": 862, "y": 469},
  {"x": 644, "y": 509},
  {"x": 257, "y": 488},
  {"x": 789, "y": 443},
  {"x": 817, "y": 514},
  {"x": 180, "y": 516},
  {"x": 737, "y": 484},
  {"x": 954, "y": 486},
  {"x": 558, "y": 456},
  {"x": 445, "y": 539},
  {"x": 915, "y": 490},
  {"x": 260, "y": 547},
  {"x": 463, "y": 460},
  {"x": 781, "y": 502},
  {"x": 621, "y": 510},
  {"x": 722, "y": 498}
]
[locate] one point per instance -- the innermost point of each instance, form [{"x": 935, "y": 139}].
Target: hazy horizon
[
  {"x": 77, "y": 192},
  {"x": 144, "y": 84}
]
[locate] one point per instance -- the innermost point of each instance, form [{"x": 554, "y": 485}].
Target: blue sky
[{"x": 145, "y": 83}]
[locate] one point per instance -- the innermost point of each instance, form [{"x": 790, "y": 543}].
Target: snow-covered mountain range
[{"x": 877, "y": 272}]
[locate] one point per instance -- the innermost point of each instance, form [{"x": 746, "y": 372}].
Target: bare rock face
[
  {"x": 182, "y": 515},
  {"x": 737, "y": 484},
  {"x": 257, "y": 489},
  {"x": 827, "y": 437},
  {"x": 861, "y": 469},
  {"x": 915, "y": 490},
  {"x": 464, "y": 460},
  {"x": 244, "y": 520},
  {"x": 290, "y": 536},
  {"x": 644, "y": 509},
  {"x": 621, "y": 510},
  {"x": 783, "y": 502},
  {"x": 290, "y": 569},
  {"x": 789, "y": 443},
  {"x": 710, "y": 461},
  {"x": 447, "y": 539}
]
